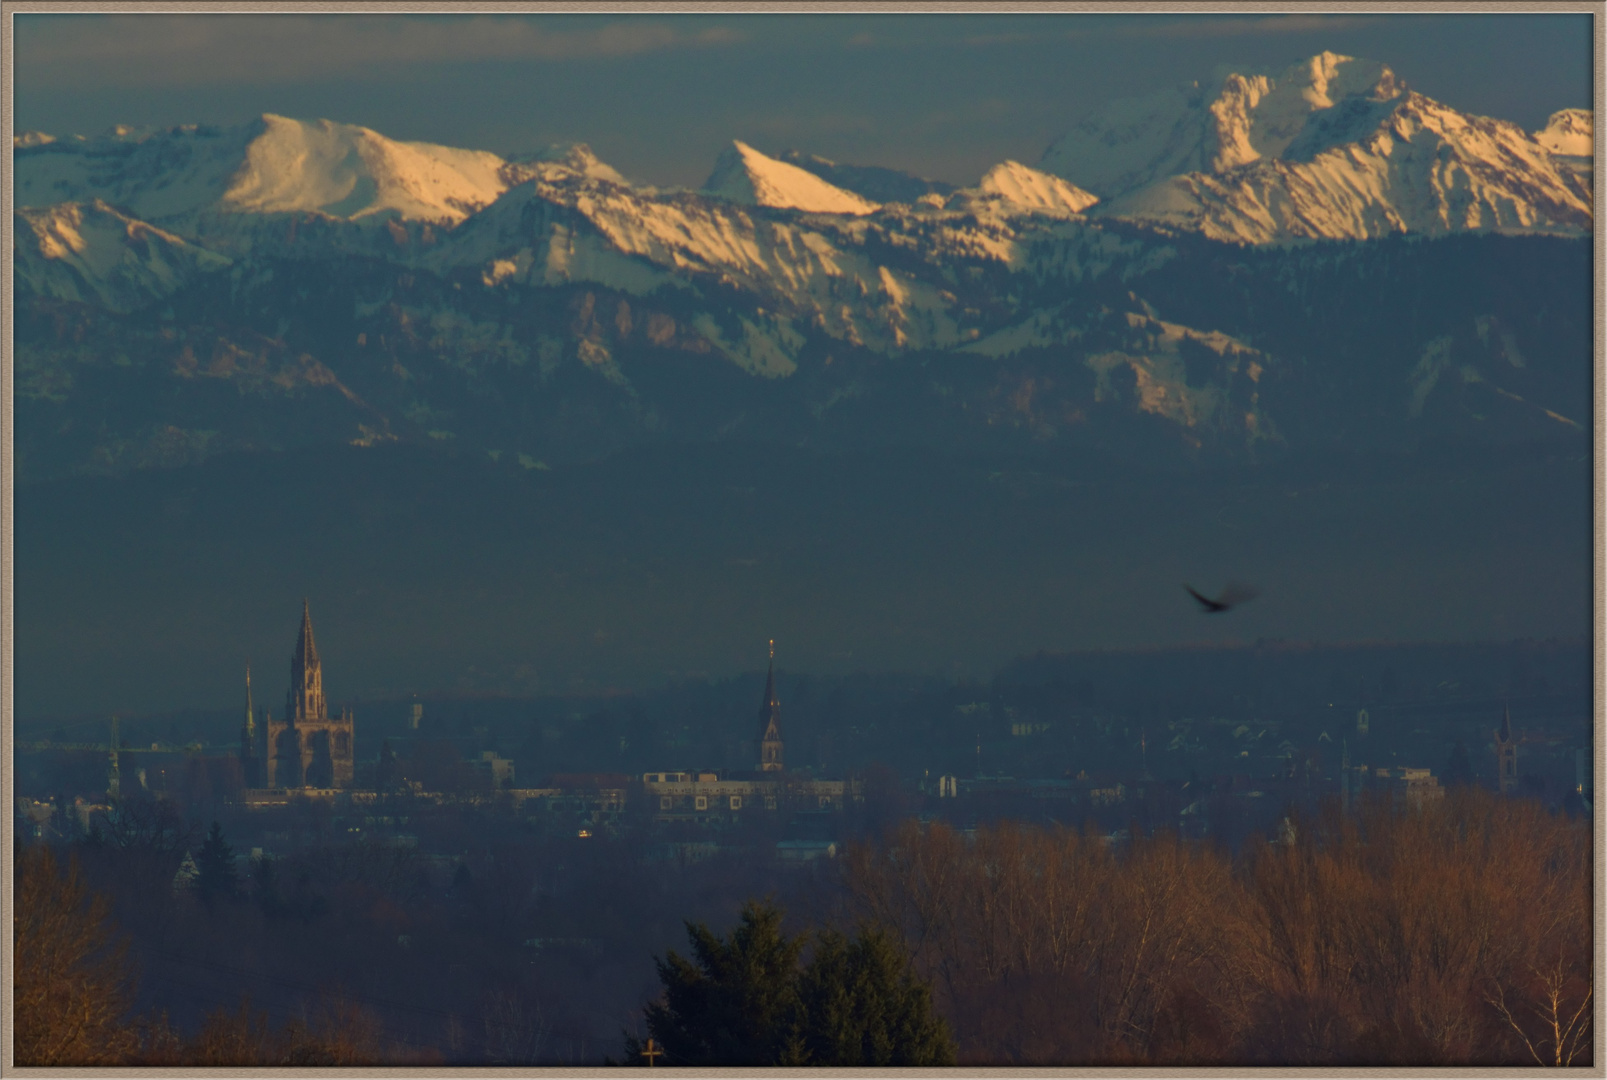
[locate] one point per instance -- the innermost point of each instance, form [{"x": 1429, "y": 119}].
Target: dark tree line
[{"x": 1453, "y": 933}]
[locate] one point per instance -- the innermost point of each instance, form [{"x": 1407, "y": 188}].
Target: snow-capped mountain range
[{"x": 781, "y": 263}]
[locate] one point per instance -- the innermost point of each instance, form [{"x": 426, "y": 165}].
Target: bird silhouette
[{"x": 1232, "y": 596}]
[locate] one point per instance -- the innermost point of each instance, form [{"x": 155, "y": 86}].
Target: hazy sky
[{"x": 658, "y": 96}]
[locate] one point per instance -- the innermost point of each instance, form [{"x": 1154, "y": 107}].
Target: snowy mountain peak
[
  {"x": 351, "y": 172},
  {"x": 1367, "y": 168},
  {"x": 1133, "y": 142},
  {"x": 271, "y": 165},
  {"x": 1258, "y": 117},
  {"x": 1328, "y": 78},
  {"x": 744, "y": 175},
  {"x": 1331, "y": 148},
  {"x": 575, "y": 157},
  {"x": 1029, "y": 189},
  {"x": 1569, "y": 133}
]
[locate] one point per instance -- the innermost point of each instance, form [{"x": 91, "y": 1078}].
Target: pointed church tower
[
  {"x": 308, "y": 747},
  {"x": 306, "y": 699},
  {"x": 250, "y": 761},
  {"x": 770, "y": 721},
  {"x": 1506, "y": 754}
]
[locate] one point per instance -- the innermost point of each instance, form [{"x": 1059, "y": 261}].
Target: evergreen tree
[
  {"x": 745, "y": 1001},
  {"x": 735, "y": 1002},
  {"x": 215, "y": 871},
  {"x": 863, "y": 1005}
]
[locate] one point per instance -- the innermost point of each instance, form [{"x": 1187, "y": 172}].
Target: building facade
[
  {"x": 707, "y": 798},
  {"x": 1416, "y": 786}
]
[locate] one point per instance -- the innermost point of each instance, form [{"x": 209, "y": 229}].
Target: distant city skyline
[{"x": 658, "y": 96}]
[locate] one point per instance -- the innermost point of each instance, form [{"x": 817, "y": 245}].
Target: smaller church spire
[
  {"x": 770, "y": 721},
  {"x": 251, "y": 713},
  {"x": 770, "y": 702},
  {"x": 250, "y": 766}
]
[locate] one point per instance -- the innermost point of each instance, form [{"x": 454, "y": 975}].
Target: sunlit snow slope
[
  {"x": 1333, "y": 148},
  {"x": 1029, "y": 189},
  {"x": 744, "y": 175},
  {"x": 271, "y": 165}
]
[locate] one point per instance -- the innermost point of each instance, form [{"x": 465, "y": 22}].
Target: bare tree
[
  {"x": 515, "y": 1030},
  {"x": 148, "y": 824},
  {"x": 69, "y": 991},
  {"x": 1564, "y": 1027}
]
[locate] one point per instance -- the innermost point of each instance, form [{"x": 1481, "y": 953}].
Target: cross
[{"x": 652, "y": 1051}]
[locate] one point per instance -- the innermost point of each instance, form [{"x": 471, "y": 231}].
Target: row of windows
[
  {"x": 701, "y": 802},
  {"x": 734, "y": 802},
  {"x": 605, "y": 805}
]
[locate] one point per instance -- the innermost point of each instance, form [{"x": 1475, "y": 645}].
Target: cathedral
[{"x": 308, "y": 748}]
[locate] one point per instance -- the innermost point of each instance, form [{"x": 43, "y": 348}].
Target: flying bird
[{"x": 1232, "y": 596}]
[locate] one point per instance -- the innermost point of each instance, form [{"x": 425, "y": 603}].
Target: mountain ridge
[{"x": 345, "y": 286}]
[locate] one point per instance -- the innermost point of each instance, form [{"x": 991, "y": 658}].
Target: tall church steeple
[
  {"x": 308, "y": 748},
  {"x": 770, "y": 721},
  {"x": 306, "y": 700}
]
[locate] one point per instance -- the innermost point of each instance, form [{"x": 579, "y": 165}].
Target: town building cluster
[
  {"x": 306, "y": 755},
  {"x": 309, "y": 754}
]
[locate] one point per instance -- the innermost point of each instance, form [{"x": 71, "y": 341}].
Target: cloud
[
  {"x": 1242, "y": 26},
  {"x": 1037, "y": 28},
  {"x": 172, "y": 50}
]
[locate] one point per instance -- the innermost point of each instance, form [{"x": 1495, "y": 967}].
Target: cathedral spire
[
  {"x": 306, "y": 698},
  {"x": 306, "y": 651}
]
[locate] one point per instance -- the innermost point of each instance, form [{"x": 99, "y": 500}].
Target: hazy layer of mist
[{"x": 427, "y": 573}]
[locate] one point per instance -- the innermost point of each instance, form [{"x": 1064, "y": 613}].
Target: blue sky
[{"x": 658, "y": 96}]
